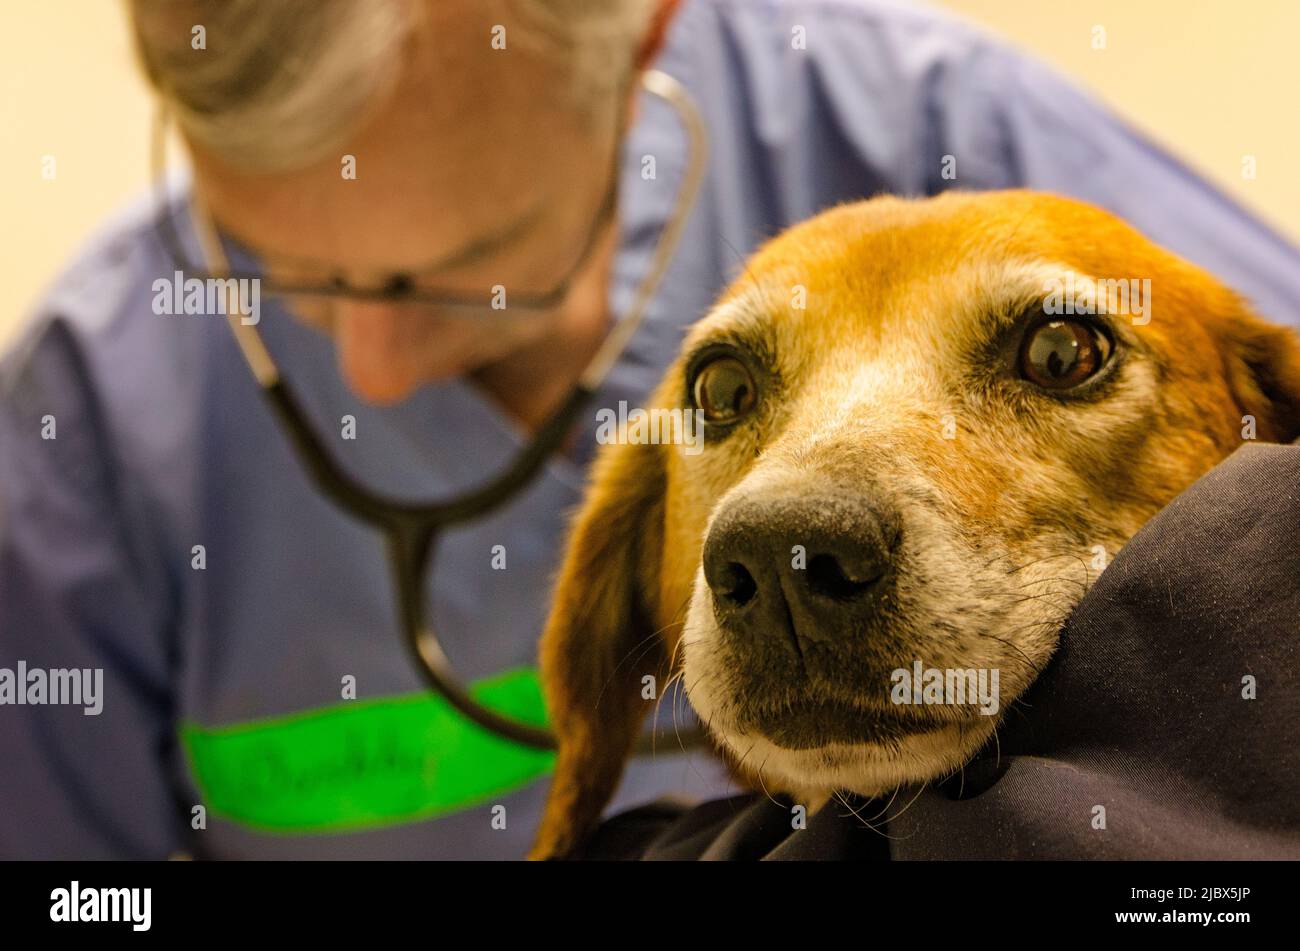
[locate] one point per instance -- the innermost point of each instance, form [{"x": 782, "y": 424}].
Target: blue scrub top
[{"x": 223, "y": 686}]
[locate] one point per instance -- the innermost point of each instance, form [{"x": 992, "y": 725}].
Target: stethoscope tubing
[{"x": 411, "y": 529}]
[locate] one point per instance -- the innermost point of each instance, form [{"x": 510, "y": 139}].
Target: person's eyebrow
[
  {"x": 482, "y": 246},
  {"x": 486, "y": 244}
]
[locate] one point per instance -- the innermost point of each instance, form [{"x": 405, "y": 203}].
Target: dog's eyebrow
[
  {"x": 747, "y": 328},
  {"x": 1020, "y": 288},
  {"x": 1008, "y": 301}
]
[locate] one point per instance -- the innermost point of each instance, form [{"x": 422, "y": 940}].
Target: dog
[{"x": 928, "y": 425}]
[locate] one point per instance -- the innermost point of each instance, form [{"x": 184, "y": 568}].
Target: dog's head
[{"x": 926, "y": 427}]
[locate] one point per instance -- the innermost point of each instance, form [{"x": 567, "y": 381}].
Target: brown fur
[{"x": 903, "y": 298}]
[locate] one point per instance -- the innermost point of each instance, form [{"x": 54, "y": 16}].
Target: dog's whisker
[
  {"x": 668, "y": 689},
  {"x": 892, "y": 818},
  {"x": 858, "y": 815},
  {"x": 763, "y": 786},
  {"x": 652, "y": 641}
]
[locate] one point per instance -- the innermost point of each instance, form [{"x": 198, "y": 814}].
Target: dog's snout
[
  {"x": 827, "y": 574},
  {"x": 844, "y": 576},
  {"x": 732, "y": 583},
  {"x": 805, "y": 567}
]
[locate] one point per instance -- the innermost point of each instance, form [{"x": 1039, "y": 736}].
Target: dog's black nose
[{"x": 809, "y": 567}]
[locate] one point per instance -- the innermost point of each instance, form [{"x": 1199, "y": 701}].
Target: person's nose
[
  {"x": 804, "y": 567},
  {"x": 375, "y": 350}
]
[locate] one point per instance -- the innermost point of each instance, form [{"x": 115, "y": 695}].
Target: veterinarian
[{"x": 380, "y": 157}]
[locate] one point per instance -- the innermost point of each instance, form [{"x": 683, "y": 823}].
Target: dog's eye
[
  {"x": 1062, "y": 354},
  {"x": 724, "y": 390}
]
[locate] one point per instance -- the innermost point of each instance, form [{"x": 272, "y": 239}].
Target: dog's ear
[
  {"x": 600, "y": 640},
  {"x": 1263, "y": 369}
]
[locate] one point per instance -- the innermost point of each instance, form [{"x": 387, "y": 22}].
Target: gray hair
[{"x": 281, "y": 82}]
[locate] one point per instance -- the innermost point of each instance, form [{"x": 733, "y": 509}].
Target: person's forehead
[{"x": 451, "y": 194}]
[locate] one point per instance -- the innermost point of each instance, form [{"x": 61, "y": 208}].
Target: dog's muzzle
[{"x": 800, "y": 582}]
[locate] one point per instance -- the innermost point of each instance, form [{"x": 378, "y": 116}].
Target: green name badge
[{"x": 366, "y": 763}]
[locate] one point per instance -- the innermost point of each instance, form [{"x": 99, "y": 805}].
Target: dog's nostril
[
  {"x": 827, "y": 577},
  {"x": 737, "y": 586}
]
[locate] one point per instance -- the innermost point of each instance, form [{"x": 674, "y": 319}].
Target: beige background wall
[
  {"x": 68, "y": 88},
  {"x": 1213, "y": 79}
]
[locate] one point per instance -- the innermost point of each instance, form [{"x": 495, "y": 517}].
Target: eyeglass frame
[{"x": 398, "y": 286}]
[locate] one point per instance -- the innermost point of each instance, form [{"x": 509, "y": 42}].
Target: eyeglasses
[
  {"x": 411, "y": 529},
  {"x": 398, "y": 286}
]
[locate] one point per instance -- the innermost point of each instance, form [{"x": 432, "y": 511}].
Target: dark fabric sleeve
[{"x": 1147, "y": 708}]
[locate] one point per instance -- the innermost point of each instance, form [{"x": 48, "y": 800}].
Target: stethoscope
[{"x": 411, "y": 529}]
